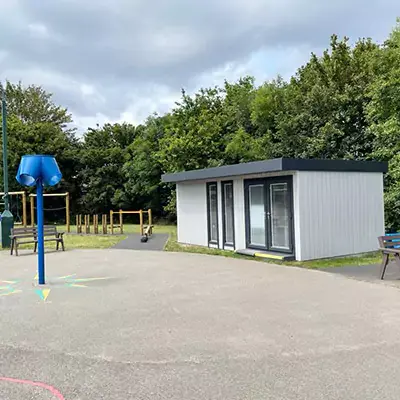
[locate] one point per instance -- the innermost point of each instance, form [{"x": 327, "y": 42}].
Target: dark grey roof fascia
[
  {"x": 277, "y": 165},
  {"x": 290, "y": 164}
]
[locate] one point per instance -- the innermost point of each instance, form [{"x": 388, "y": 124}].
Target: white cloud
[
  {"x": 112, "y": 60},
  {"x": 38, "y": 30}
]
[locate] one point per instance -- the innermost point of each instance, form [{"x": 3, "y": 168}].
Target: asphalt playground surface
[
  {"x": 370, "y": 273},
  {"x": 119, "y": 324}
]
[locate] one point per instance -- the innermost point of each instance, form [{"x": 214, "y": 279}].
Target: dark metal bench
[
  {"x": 389, "y": 245},
  {"x": 29, "y": 235}
]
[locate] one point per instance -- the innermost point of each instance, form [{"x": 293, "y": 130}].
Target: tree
[
  {"x": 384, "y": 121},
  {"x": 32, "y": 104},
  {"x": 320, "y": 113},
  {"x": 36, "y": 125},
  {"x": 194, "y": 133},
  {"x": 142, "y": 170},
  {"x": 103, "y": 154}
]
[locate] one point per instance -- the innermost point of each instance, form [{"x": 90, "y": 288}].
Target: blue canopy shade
[{"x": 34, "y": 167}]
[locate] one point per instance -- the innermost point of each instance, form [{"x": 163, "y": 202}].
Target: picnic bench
[
  {"x": 389, "y": 245},
  {"x": 29, "y": 235}
]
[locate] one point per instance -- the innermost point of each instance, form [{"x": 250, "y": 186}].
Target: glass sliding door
[
  {"x": 256, "y": 215},
  {"x": 279, "y": 215},
  {"x": 212, "y": 212},
  {"x": 269, "y": 222},
  {"x": 228, "y": 214}
]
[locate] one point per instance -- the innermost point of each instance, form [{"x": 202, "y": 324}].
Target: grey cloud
[{"x": 121, "y": 46}]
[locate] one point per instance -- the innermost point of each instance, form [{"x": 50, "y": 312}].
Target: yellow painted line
[
  {"x": 262, "y": 255},
  {"x": 76, "y": 285},
  {"x": 8, "y": 281}
]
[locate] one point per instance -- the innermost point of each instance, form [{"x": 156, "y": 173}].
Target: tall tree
[
  {"x": 36, "y": 125},
  {"x": 33, "y": 104},
  {"x": 143, "y": 170},
  {"x": 320, "y": 113},
  {"x": 103, "y": 154},
  {"x": 194, "y": 133},
  {"x": 384, "y": 119}
]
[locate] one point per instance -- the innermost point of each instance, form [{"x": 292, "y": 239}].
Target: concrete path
[
  {"x": 118, "y": 324},
  {"x": 157, "y": 241}
]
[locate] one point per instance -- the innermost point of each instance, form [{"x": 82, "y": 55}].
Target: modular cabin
[{"x": 283, "y": 208}]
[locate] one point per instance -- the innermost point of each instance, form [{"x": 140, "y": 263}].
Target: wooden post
[
  {"x": 121, "y": 222},
  {"x": 141, "y": 222},
  {"x": 112, "y": 222},
  {"x": 32, "y": 200},
  {"x": 77, "y": 223},
  {"x": 80, "y": 223},
  {"x": 88, "y": 224},
  {"x": 150, "y": 216},
  {"x": 104, "y": 223},
  {"x": 24, "y": 218},
  {"x": 67, "y": 216},
  {"x": 96, "y": 224}
]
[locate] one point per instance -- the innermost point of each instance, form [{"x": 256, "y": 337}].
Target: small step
[{"x": 272, "y": 255}]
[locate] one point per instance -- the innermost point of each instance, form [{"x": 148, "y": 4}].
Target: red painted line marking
[{"x": 51, "y": 389}]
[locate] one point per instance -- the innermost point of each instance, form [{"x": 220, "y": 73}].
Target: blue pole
[{"x": 39, "y": 194}]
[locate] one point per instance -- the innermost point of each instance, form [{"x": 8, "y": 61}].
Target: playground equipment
[
  {"x": 121, "y": 221},
  {"x": 18, "y": 220},
  {"x": 39, "y": 171},
  {"x": 85, "y": 222},
  {"x": 66, "y": 207}
]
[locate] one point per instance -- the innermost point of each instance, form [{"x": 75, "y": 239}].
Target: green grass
[
  {"x": 362, "y": 259},
  {"x": 83, "y": 242},
  {"x": 356, "y": 260},
  {"x": 128, "y": 228},
  {"x": 173, "y": 245},
  {"x": 74, "y": 241}
]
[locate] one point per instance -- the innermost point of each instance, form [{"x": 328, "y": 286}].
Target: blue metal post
[{"x": 39, "y": 210}]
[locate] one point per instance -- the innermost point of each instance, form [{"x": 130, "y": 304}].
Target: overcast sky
[{"x": 120, "y": 60}]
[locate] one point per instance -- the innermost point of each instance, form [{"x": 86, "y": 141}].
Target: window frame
[
  {"x": 208, "y": 185},
  {"x": 224, "y": 242}
]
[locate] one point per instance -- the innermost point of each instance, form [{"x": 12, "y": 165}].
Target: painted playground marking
[
  {"x": 43, "y": 293},
  {"x": 8, "y": 288},
  {"x": 42, "y": 385}
]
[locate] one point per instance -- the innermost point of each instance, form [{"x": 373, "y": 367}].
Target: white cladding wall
[
  {"x": 191, "y": 204},
  {"x": 337, "y": 213}
]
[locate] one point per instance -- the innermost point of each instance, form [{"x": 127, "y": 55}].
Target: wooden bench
[
  {"x": 29, "y": 235},
  {"x": 389, "y": 245}
]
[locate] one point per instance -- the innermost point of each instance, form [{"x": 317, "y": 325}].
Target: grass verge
[
  {"x": 74, "y": 241},
  {"x": 82, "y": 242},
  {"x": 77, "y": 241},
  {"x": 362, "y": 259}
]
